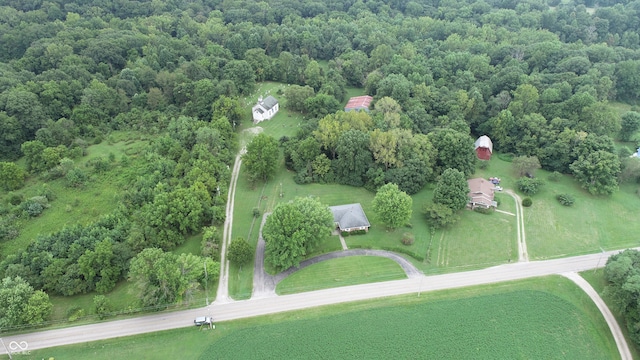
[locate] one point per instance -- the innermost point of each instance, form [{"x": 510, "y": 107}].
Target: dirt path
[
  {"x": 621, "y": 342},
  {"x": 523, "y": 254},
  {"x": 223, "y": 284}
]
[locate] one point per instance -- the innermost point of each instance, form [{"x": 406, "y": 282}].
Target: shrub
[
  {"x": 508, "y": 157},
  {"x": 74, "y": 313},
  {"x": 15, "y": 199},
  {"x": 408, "y": 238},
  {"x": 555, "y": 176},
  {"x": 483, "y": 164},
  {"x": 240, "y": 252},
  {"x": 35, "y": 205},
  {"x": 102, "y": 306},
  {"x": 482, "y": 210},
  {"x": 526, "y": 202},
  {"x": 345, "y": 233},
  {"x": 529, "y": 186},
  {"x": 256, "y": 212},
  {"x": 76, "y": 178},
  {"x": 566, "y": 199}
]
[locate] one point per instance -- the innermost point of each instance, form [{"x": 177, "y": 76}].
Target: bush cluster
[{"x": 566, "y": 199}]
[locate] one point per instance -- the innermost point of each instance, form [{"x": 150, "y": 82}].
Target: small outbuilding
[
  {"x": 265, "y": 109},
  {"x": 350, "y": 217},
  {"x": 484, "y": 147},
  {"x": 358, "y": 103},
  {"x": 481, "y": 194}
]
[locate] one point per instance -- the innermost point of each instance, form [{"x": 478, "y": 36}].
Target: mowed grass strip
[
  {"x": 542, "y": 318},
  {"x": 345, "y": 271}
]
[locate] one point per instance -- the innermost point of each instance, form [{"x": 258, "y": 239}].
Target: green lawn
[
  {"x": 346, "y": 271},
  {"x": 535, "y": 319}
]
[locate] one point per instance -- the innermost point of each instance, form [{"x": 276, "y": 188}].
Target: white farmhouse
[{"x": 265, "y": 109}]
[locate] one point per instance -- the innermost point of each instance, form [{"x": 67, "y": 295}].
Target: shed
[
  {"x": 484, "y": 147},
  {"x": 350, "y": 217},
  {"x": 357, "y": 103}
]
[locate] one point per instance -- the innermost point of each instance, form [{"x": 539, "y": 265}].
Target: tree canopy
[
  {"x": 294, "y": 229},
  {"x": 393, "y": 206},
  {"x": 261, "y": 158}
]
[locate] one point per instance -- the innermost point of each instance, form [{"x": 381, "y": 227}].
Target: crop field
[
  {"x": 351, "y": 270},
  {"x": 541, "y": 318}
]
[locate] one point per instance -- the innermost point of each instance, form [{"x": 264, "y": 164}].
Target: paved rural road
[
  {"x": 621, "y": 342},
  {"x": 275, "y": 304}
]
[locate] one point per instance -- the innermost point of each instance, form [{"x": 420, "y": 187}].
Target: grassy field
[
  {"x": 537, "y": 318},
  {"x": 77, "y": 206},
  {"x": 341, "y": 272}
]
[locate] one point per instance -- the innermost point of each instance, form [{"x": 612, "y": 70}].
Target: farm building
[
  {"x": 481, "y": 194},
  {"x": 484, "y": 148},
  {"x": 350, "y": 217},
  {"x": 357, "y": 103},
  {"x": 265, "y": 109}
]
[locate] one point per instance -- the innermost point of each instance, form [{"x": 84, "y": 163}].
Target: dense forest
[{"x": 537, "y": 77}]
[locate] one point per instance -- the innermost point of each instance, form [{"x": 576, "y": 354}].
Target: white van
[{"x": 203, "y": 320}]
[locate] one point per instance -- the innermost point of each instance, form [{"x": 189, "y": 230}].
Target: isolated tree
[
  {"x": 452, "y": 190},
  {"x": 597, "y": 172},
  {"x": 240, "y": 252},
  {"x": 393, "y": 206},
  {"x": 261, "y": 157},
  {"x": 11, "y": 176},
  {"x": 294, "y": 229},
  {"x": 523, "y": 165}
]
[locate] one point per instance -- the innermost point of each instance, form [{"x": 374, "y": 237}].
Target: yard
[
  {"x": 346, "y": 271},
  {"x": 538, "y": 318}
]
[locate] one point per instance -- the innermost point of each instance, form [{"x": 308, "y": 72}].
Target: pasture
[{"x": 538, "y": 318}]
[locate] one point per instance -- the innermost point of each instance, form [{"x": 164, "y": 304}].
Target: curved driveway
[{"x": 264, "y": 284}]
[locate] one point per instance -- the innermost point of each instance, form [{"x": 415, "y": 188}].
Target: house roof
[
  {"x": 484, "y": 142},
  {"x": 480, "y": 191},
  {"x": 349, "y": 216},
  {"x": 268, "y": 102},
  {"x": 359, "y": 102}
]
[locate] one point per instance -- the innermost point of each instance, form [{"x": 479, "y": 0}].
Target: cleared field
[
  {"x": 535, "y": 319},
  {"x": 351, "y": 270},
  {"x": 75, "y": 206}
]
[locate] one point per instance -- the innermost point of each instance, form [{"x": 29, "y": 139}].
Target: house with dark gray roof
[
  {"x": 350, "y": 217},
  {"x": 265, "y": 109}
]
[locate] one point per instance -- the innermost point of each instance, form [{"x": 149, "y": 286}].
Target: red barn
[{"x": 484, "y": 148}]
